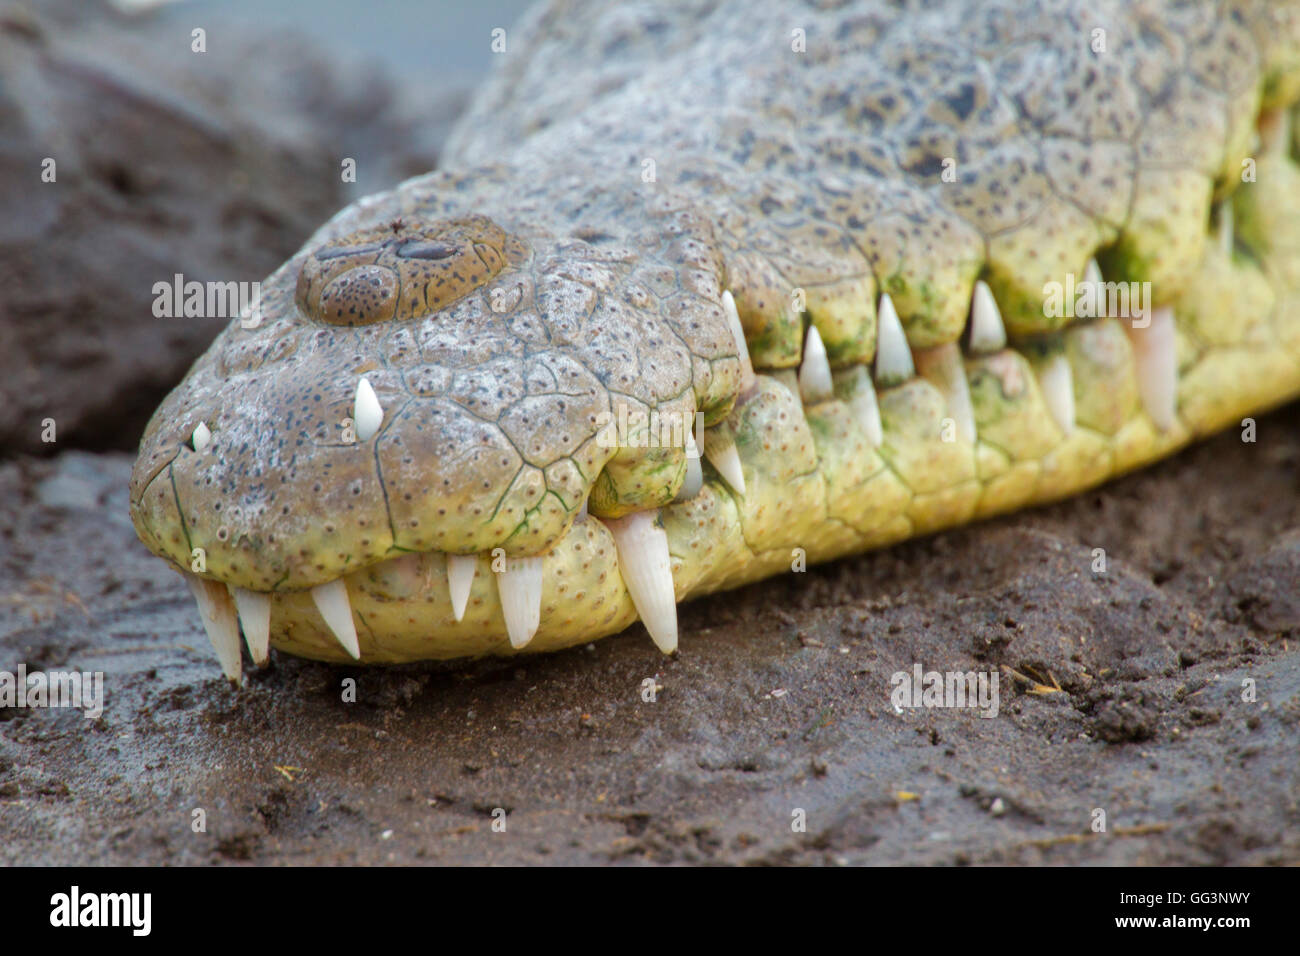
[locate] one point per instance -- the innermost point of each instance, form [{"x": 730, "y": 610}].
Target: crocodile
[{"x": 710, "y": 292}]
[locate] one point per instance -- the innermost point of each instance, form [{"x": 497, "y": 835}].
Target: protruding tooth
[
  {"x": 1155, "y": 354},
  {"x": 367, "y": 413},
  {"x": 987, "y": 333},
  {"x": 201, "y": 436},
  {"x": 742, "y": 349},
  {"x": 720, "y": 450},
  {"x": 217, "y": 612},
  {"x": 893, "y": 357},
  {"x": 332, "y": 601},
  {"x": 460, "y": 578},
  {"x": 865, "y": 408},
  {"x": 648, "y": 573},
  {"x": 815, "y": 371},
  {"x": 943, "y": 368},
  {"x": 1226, "y": 226},
  {"x": 520, "y": 589},
  {"x": 1057, "y": 382},
  {"x": 1092, "y": 274},
  {"x": 255, "y": 616},
  {"x": 694, "y": 479}
]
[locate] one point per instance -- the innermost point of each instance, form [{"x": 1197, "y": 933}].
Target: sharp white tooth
[
  {"x": 987, "y": 333},
  {"x": 694, "y": 479},
  {"x": 1226, "y": 225},
  {"x": 720, "y": 450},
  {"x": 866, "y": 410},
  {"x": 520, "y": 589},
  {"x": 201, "y": 436},
  {"x": 460, "y": 578},
  {"x": 943, "y": 368},
  {"x": 217, "y": 612},
  {"x": 1155, "y": 354},
  {"x": 1057, "y": 382},
  {"x": 367, "y": 413},
  {"x": 742, "y": 349},
  {"x": 255, "y": 616},
  {"x": 648, "y": 573},
  {"x": 893, "y": 357},
  {"x": 1092, "y": 273},
  {"x": 815, "y": 371},
  {"x": 332, "y": 601}
]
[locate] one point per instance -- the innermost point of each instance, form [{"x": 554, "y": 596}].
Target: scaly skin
[{"x": 500, "y": 307}]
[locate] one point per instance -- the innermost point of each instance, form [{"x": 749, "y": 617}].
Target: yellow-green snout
[
  {"x": 462, "y": 426},
  {"x": 816, "y": 487}
]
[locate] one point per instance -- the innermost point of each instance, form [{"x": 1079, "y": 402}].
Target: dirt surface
[{"x": 779, "y": 700}]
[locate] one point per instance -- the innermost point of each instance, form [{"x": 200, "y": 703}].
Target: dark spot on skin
[{"x": 962, "y": 102}]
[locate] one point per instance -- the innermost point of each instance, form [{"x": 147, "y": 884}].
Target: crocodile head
[{"x": 705, "y": 293}]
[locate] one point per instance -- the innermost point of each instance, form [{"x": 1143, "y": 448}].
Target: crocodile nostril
[
  {"x": 338, "y": 252},
  {"x": 377, "y": 276},
  {"x": 415, "y": 249}
]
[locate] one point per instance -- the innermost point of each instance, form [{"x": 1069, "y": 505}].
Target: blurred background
[{"x": 216, "y": 165}]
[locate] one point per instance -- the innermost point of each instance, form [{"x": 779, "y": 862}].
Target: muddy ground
[
  {"x": 1119, "y": 691},
  {"x": 779, "y": 700}
]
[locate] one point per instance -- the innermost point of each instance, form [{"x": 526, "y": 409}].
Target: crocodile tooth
[
  {"x": 201, "y": 436},
  {"x": 694, "y": 479},
  {"x": 367, "y": 413},
  {"x": 742, "y": 348},
  {"x": 217, "y": 612},
  {"x": 460, "y": 578},
  {"x": 1057, "y": 382},
  {"x": 332, "y": 601},
  {"x": 1155, "y": 354},
  {"x": 1092, "y": 275},
  {"x": 987, "y": 333},
  {"x": 815, "y": 371},
  {"x": 893, "y": 357},
  {"x": 866, "y": 410},
  {"x": 720, "y": 450},
  {"x": 255, "y": 616},
  {"x": 943, "y": 368},
  {"x": 648, "y": 573},
  {"x": 520, "y": 589}
]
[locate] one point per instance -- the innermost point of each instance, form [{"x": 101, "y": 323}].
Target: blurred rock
[
  {"x": 213, "y": 165},
  {"x": 1265, "y": 586}
]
